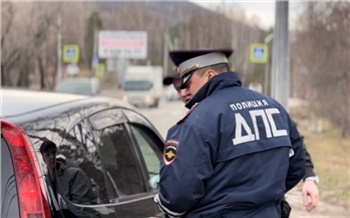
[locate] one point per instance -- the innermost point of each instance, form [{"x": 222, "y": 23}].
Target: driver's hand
[{"x": 154, "y": 181}]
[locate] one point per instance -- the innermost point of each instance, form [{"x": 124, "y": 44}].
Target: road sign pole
[
  {"x": 94, "y": 52},
  {"x": 59, "y": 74},
  {"x": 267, "y": 75}
]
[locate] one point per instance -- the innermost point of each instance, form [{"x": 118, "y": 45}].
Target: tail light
[{"x": 32, "y": 196}]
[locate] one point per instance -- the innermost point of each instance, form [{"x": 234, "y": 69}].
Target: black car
[{"x": 117, "y": 148}]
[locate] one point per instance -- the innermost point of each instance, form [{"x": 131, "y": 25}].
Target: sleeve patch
[{"x": 170, "y": 151}]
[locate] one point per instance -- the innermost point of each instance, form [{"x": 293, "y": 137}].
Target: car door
[
  {"x": 125, "y": 176},
  {"x": 149, "y": 145},
  {"x": 151, "y": 155}
]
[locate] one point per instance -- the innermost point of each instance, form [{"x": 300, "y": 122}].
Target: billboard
[{"x": 125, "y": 44}]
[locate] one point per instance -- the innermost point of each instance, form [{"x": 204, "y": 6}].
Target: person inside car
[{"x": 66, "y": 183}]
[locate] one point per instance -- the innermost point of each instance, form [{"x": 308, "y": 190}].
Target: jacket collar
[{"x": 220, "y": 81}]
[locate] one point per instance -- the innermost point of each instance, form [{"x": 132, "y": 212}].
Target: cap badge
[{"x": 183, "y": 73}]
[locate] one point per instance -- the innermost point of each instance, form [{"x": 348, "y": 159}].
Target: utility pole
[
  {"x": 168, "y": 45},
  {"x": 59, "y": 46},
  {"x": 280, "y": 62},
  {"x": 165, "y": 53},
  {"x": 94, "y": 52}
]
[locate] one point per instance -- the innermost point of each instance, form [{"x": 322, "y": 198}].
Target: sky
[
  {"x": 265, "y": 11},
  {"x": 262, "y": 9}
]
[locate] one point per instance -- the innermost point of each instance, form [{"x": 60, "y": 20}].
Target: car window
[
  {"x": 107, "y": 118},
  {"x": 79, "y": 150},
  {"x": 150, "y": 152},
  {"x": 137, "y": 85},
  {"x": 138, "y": 119},
  {"x": 9, "y": 197},
  {"x": 119, "y": 160}
]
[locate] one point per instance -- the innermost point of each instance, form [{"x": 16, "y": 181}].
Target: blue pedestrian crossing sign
[
  {"x": 71, "y": 53},
  {"x": 258, "y": 53}
]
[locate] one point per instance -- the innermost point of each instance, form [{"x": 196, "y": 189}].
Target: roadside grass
[{"x": 330, "y": 154}]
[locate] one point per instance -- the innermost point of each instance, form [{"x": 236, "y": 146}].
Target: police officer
[
  {"x": 235, "y": 153},
  {"x": 174, "y": 79},
  {"x": 310, "y": 190}
]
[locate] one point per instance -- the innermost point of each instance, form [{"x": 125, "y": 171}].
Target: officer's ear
[{"x": 210, "y": 74}]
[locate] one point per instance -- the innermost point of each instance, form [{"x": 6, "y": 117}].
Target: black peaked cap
[{"x": 181, "y": 56}]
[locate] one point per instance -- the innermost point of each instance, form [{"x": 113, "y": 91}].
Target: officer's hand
[{"x": 310, "y": 195}]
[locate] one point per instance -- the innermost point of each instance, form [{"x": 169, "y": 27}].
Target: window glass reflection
[
  {"x": 66, "y": 184},
  {"x": 119, "y": 160},
  {"x": 80, "y": 150}
]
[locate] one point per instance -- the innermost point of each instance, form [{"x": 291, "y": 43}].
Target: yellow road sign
[
  {"x": 258, "y": 53},
  {"x": 71, "y": 53},
  {"x": 100, "y": 70}
]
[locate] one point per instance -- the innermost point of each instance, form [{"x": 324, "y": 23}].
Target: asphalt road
[{"x": 166, "y": 115}]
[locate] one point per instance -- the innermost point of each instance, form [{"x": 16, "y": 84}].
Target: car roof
[{"x": 17, "y": 101}]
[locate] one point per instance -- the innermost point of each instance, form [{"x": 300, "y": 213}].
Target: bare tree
[
  {"x": 27, "y": 27},
  {"x": 29, "y": 34},
  {"x": 7, "y": 58},
  {"x": 321, "y": 54}
]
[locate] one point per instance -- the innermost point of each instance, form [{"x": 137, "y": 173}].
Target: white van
[{"x": 143, "y": 85}]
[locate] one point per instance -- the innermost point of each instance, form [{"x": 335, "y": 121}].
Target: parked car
[
  {"x": 117, "y": 148},
  {"x": 256, "y": 87},
  {"x": 171, "y": 93},
  {"x": 80, "y": 86}
]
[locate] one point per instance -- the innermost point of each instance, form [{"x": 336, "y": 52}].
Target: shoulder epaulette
[{"x": 188, "y": 113}]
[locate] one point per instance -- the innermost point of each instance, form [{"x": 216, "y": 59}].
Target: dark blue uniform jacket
[{"x": 235, "y": 155}]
